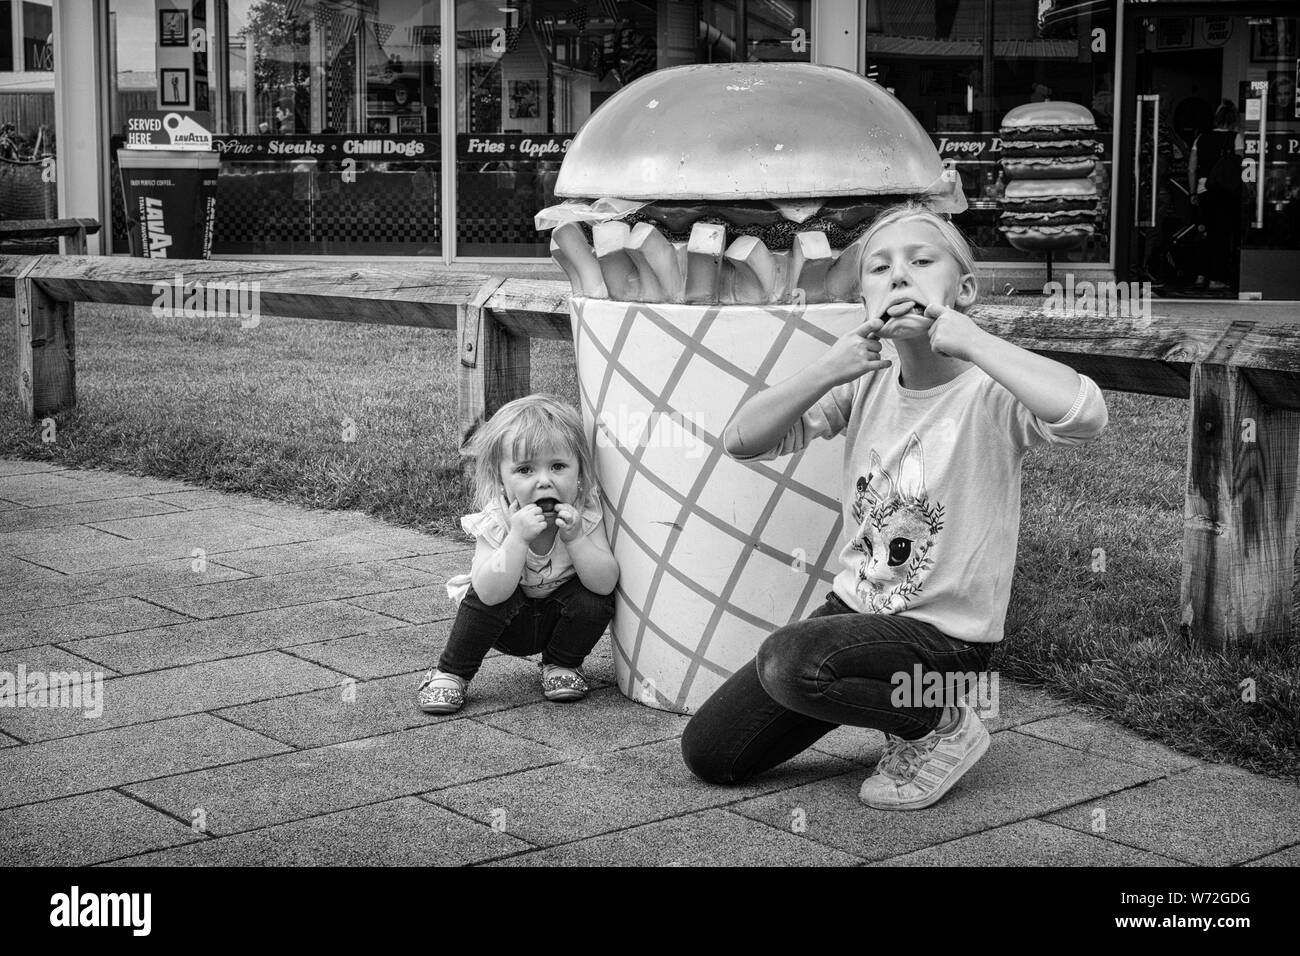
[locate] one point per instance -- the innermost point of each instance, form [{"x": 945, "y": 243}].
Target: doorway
[{"x": 1212, "y": 136}]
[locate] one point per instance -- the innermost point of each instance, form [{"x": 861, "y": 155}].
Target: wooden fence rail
[{"x": 1241, "y": 374}]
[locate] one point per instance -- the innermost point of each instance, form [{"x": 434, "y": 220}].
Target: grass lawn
[{"x": 263, "y": 411}]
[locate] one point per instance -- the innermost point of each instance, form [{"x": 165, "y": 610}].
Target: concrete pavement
[{"x": 259, "y": 663}]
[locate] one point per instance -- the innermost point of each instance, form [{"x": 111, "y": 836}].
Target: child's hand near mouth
[{"x": 952, "y": 334}]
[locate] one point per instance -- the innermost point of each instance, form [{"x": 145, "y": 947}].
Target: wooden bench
[
  {"x": 1239, "y": 365},
  {"x": 71, "y": 233}
]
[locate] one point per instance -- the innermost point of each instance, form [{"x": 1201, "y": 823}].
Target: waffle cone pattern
[{"x": 714, "y": 554}]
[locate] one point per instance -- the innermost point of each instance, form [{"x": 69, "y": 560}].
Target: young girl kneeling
[
  {"x": 931, "y": 507},
  {"x": 543, "y": 576}
]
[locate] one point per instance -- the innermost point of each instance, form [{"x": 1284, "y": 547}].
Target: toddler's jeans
[{"x": 563, "y": 627}]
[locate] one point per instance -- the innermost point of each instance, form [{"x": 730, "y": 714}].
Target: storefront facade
[{"x": 363, "y": 128}]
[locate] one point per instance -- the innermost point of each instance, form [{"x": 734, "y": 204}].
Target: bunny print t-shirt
[
  {"x": 543, "y": 573},
  {"x": 931, "y": 493}
]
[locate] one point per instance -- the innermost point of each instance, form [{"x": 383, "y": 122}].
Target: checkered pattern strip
[{"x": 613, "y": 342}]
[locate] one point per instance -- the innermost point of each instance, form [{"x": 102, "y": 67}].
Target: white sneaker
[{"x": 915, "y": 773}]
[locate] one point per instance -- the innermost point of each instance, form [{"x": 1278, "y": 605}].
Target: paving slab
[
  {"x": 1212, "y": 815},
  {"x": 46, "y": 658},
  {"x": 604, "y": 721},
  {"x": 1287, "y": 857},
  {"x": 187, "y": 524},
  {"x": 158, "y": 695},
  {"x": 1023, "y": 703},
  {"x": 305, "y": 555},
  {"x": 201, "y": 499},
  {"x": 309, "y": 525},
  {"x": 598, "y": 794},
  {"x": 706, "y": 838},
  {"x": 141, "y": 581},
  {"x": 190, "y": 641},
  {"x": 87, "y": 762},
  {"x": 85, "y": 830},
  {"x": 46, "y": 540},
  {"x": 27, "y": 575},
  {"x": 57, "y": 516},
  {"x": 420, "y": 543},
  {"x": 7, "y": 741},
  {"x": 1094, "y": 735},
  {"x": 283, "y": 590},
  {"x": 56, "y": 488},
  {"x": 1019, "y": 777},
  {"x": 13, "y": 466},
  {"x": 420, "y": 605},
  {"x": 138, "y": 484},
  {"x": 862, "y": 745},
  {"x": 403, "y": 832},
  {"x": 306, "y": 783},
  {"x": 445, "y": 564},
  {"x": 91, "y": 619},
  {"x": 1030, "y": 843},
  {"x": 384, "y": 705},
  {"x": 125, "y": 552},
  {"x": 395, "y": 650}
]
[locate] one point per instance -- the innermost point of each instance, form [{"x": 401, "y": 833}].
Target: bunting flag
[
  {"x": 322, "y": 16},
  {"x": 577, "y": 15},
  {"x": 611, "y": 9},
  {"x": 546, "y": 26},
  {"x": 383, "y": 31},
  {"x": 292, "y": 8}
]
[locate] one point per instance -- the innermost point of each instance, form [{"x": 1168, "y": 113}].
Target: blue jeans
[
  {"x": 563, "y": 627},
  {"x": 834, "y": 667}
]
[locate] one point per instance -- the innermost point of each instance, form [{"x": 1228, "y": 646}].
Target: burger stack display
[
  {"x": 1049, "y": 153},
  {"x": 711, "y": 233}
]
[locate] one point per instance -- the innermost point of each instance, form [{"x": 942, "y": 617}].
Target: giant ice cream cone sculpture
[{"x": 710, "y": 241}]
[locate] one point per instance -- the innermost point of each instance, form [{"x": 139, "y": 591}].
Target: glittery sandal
[
  {"x": 563, "y": 683},
  {"x": 441, "y": 693}
]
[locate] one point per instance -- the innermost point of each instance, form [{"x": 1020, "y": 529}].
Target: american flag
[
  {"x": 291, "y": 8},
  {"x": 323, "y": 16},
  {"x": 611, "y": 9},
  {"x": 382, "y": 32}
]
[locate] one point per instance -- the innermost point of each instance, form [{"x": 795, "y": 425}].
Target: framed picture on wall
[
  {"x": 173, "y": 28},
  {"x": 410, "y": 124},
  {"x": 1281, "y": 94},
  {"x": 1173, "y": 33},
  {"x": 1272, "y": 39},
  {"x": 524, "y": 96},
  {"x": 174, "y": 87}
]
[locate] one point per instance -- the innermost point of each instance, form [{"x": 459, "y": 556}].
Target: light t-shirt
[
  {"x": 543, "y": 573},
  {"x": 931, "y": 491}
]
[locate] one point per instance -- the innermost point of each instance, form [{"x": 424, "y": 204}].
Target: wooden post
[
  {"x": 1239, "y": 533},
  {"x": 494, "y": 365},
  {"x": 46, "y": 345}
]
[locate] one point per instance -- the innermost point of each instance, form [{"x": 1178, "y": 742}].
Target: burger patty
[
  {"x": 1037, "y": 219},
  {"x": 1051, "y": 147},
  {"x": 777, "y": 236},
  {"x": 1021, "y": 133},
  {"x": 1050, "y": 204},
  {"x": 1049, "y": 167}
]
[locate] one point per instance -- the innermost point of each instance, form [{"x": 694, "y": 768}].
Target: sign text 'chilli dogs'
[{"x": 329, "y": 147}]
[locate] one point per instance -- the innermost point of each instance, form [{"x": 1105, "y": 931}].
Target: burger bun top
[{"x": 737, "y": 131}]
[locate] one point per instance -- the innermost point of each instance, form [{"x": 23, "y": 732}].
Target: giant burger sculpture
[{"x": 710, "y": 236}]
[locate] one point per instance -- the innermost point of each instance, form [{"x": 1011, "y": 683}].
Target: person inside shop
[
  {"x": 1214, "y": 182},
  {"x": 284, "y": 122}
]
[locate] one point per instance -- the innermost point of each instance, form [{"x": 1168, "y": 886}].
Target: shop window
[
  {"x": 38, "y": 37},
  {"x": 6, "y": 36},
  {"x": 529, "y": 74},
  {"x": 325, "y": 114},
  {"x": 937, "y": 58}
]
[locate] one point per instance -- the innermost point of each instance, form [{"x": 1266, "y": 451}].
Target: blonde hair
[
  {"x": 521, "y": 428},
  {"x": 957, "y": 244}
]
